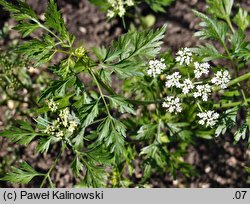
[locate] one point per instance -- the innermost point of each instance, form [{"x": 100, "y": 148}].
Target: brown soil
[{"x": 218, "y": 162}]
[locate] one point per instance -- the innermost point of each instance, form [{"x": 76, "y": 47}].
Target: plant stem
[
  {"x": 231, "y": 104},
  {"x": 147, "y": 102},
  {"x": 47, "y": 29},
  {"x": 100, "y": 91},
  {"x": 230, "y": 24},
  {"x": 47, "y": 175},
  {"x": 199, "y": 106}
]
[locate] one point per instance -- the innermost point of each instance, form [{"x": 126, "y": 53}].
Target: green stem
[
  {"x": 158, "y": 138},
  {"x": 231, "y": 104},
  {"x": 100, "y": 91},
  {"x": 230, "y": 24},
  {"x": 147, "y": 102},
  {"x": 47, "y": 175},
  {"x": 47, "y": 29},
  {"x": 199, "y": 106}
]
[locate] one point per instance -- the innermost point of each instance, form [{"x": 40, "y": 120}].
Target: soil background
[{"x": 218, "y": 162}]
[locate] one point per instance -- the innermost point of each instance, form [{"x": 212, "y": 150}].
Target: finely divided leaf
[
  {"x": 208, "y": 52},
  {"x": 54, "y": 20},
  {"x": 22, "y": 135},
  {"x": 242, "y": 19},
  {"x": 22, "y": 175},
  {"x": 58, "y": 88},
  {"x": 121, "y": 104},
  {"x": 41, "y": 51},
  {"x": 211, "y": 28},
  {"x": 76, "y": 166},
  {"x": 19, "y": 10},
  {"x": 88, "y": 113},
  {"x": 132, "y": 51}
]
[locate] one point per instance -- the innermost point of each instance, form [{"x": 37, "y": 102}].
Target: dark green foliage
[
  {"x": 211, "y": 28},
  {"x": 24, "y": 174},
  {"x": 159, "y": 5},
  {"x": 22, "y": 135},
  {"x": 106, "y": 131},
  {"x": 131, "y": 52}
]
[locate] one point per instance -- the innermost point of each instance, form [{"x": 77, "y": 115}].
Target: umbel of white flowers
[
  {"x": 208, "y": 118},
  {"x": 118, "y": 7},
  {"x": 156, "y": 67},
  {"x": 202, "y": 90},
  {"x": 184, "y": 56},
  {"x": 172, "y": 104},
  {"x": 65, "y": 124},
  {"x": 221, "y": 79}
]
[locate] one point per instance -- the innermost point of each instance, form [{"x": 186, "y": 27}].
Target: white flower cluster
[
  {"x": 66, "y": 123},
  {"x": 172, "y": 104},
  {"x": 208, "y": 118},
  {"x": 118, "y": 6},
  {"x": 187, "y": 86},
  {"x": 173, "y": 80},
  {"x": 156, "y": 67},
  {"x": 200, "y": 69},
  {"x": 203, "y": 91},
  {"x": 184, "y": 56},
  {"x": 221, "y": 79},
  {"x": 53, "y": 106}
]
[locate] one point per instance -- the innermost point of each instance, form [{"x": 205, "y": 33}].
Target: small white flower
[
  {"x": 59, "y": 133},
  {"x": 156, "y": 67},
  {"x": 64, "y": 114},
  {"x": 221, "y": 79},
  {"x": 187, "y": 86},
  {"x": 172, "y": 104},
  {"x": 208, "y": 118},
  {"x": 201, "y": 69},
  {"x": 184, "y": 56},
  {"x": 110, "y": 14},
  {"x": 203, "y": 91},
  {"x": 122, "y": 11},
  {"x": 53, "y": 106},
  {"x": 130, "y": 2},
  {"x": 72, "y": 126},
  {"x": 173, "y": 80}
]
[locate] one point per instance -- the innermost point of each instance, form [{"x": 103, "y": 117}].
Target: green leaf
[
  {"x": 146, "y": 132},
  {"x": 121, "y": 104},
  {"x": 40, "y": 51},
  {"x": 211, "y": 28},
  {"x": 221, "y": 9},
  {"x": 104, "y": 129},
  {"x": 19, "y": 10},
  {"x": 43, "y": 145},
  {"x": 238, "y": 43},
  {"x": 88, "y": 112},
  {"x": 22, "y": 135},
  {"x": 100, "y": 53},
  {"x": 100, "y": 154},
  {"x": 154, "y": 152},
  {"x": 22, "y": 175},
  {"x": 78, "y": 140},
  {"x": 158, "y": 5},
  {"x": 241, "y": 133},
  {"x": 208, "y": 52},
  {"x": 76, "y": 166},
  {"x": 115, "y": 141},
  {"x": 58, "y": 88},
  {"x": 131, "y": 52},
  {"x": 54, "y": 20},
  {"x": 242, "y": 19},
  {"x": 26, "y": 28},
  {"x": 95, "y": 177}
]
